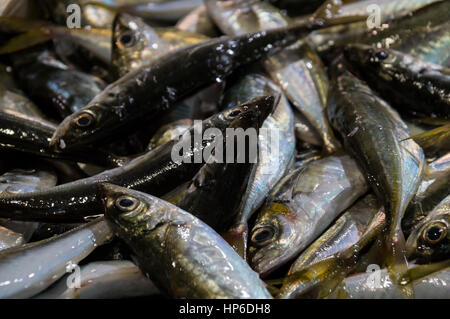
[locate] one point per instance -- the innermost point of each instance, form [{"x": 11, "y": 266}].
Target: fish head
[
  {"x": 430, "y": 239},
  {"x": 134, "y": 43},
  {"x": 81, "y": 126},
  {"x": 270, "y": 238},
  {"x": 366, "y": 57},
  {"x": 126, "y": 210}
]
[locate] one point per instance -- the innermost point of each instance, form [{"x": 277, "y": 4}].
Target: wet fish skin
[
  {"x": 433, "y": 188},
  {"x": 374, "y": 134},
  {"x": 222, "y": 185},
  {"x": 31, "y": 134},
  {"x": 135, "y": 43},
  {"x": 9, "y": 238},
  {"x": 15, "y": 101},
  {"x": 272, "y": 162},
  {"x": 108, "y": 279},
  {"x": 154, "y": 172},
  {"x": 198, "y": 21},
  {"x": 300, "y": 208},
  {"x": 56, "y": 251},
  {"x": 361, "y": 286},
  {"x": 184, "y": 257},
  {"x": 320, "y": 278},
  {"x": 430, "y": 239},
  {"x": 407, "y": 83},
  {"x": 297, "y": 69},
  {"x": 169, "y": 132},
  {"x": 51, "y": 83},
  {"x": 126, "y": 103},
  {"x": 344, "y": 233}
]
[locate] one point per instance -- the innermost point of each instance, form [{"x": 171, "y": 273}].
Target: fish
[
  {"x": 344, "y": 233},
  {"x": 301, "y": 206},
  {"x": 156, "y": 172},
  {"x": 169, "y": 132},
  {"x": 276, "y": 150},
  {"x": 109, "y": 279},
  {"x": 408, "y": 84},
  {"x": 430, "y": 239},
  {"x": 59, "y": 252},
  {"x": 297, "y": 69},
  {"x": 222, "y": 182},
  {"x": 167, "y": 11},
  {"x": 15, "y": 101},
  {"x": 9, "y": 238},
  {"x": 320, "y": 278},
  {"x": 379, "y": 285},
  {"x": 183, "y": 256},
  {"x": 31, "y": 135},
  {"x": 126, "y": 103},
  {"x": 433, "y": 188},
  {"x": 135, "y": 43},
  {"x": 53, "y": 85},
  {"x": 198, "y": 21},
  {"x": 373, "y": 134}
]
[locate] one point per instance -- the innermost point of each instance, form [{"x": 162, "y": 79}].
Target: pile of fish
[{"x": 348, "y": 195}]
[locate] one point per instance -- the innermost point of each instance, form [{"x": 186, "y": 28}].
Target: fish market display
[{"x": 224, "y": 149}]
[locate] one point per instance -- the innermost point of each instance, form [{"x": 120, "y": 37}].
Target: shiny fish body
[
  {"x": 109, "y": 279},
  {"x": 363, "y": 286},
  {"x": 198, "y": 21},
  {"x": 272, "y": 162},
  {"x": 223, "y": 185},
  {"x": 154, "y": 172},
  {"x": 29, "y": 269},
  {"x": 374, "y": 134},
  {"x": 301, "y": 207},
  {"x": 126, "y": 102},
  {"x": 407, "y": 83},
  {"x": 135, "y": 43},
  {"x": 433, "y": 188},
  {"x": 184, "y": 257},
  {"x": 169, "y": 132},
  {"x": 297, "y": 69},
  {"x": 344, "y": 233}
]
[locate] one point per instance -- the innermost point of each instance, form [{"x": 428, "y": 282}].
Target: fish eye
[
  {"x": 381, "y": 54},
  {"x": 435, "y": 233},
  {"x": 85, "y": 119},
  {"x": 234, "y": 113},
  {"x": 127, "y": 39},
  {"x": 126, "y": 203},
  {"x": 263, "y": 235}
]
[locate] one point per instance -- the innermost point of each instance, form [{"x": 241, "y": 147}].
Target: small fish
[
  {"x": 430, "y": 239},
  {"x": 378, "y": 285},
  {"x": 198, "y": 21},
  {"x": 108, "y": 279},
  {"x": 276, "y": 149},
  {"x": 302, "y": 205},
  {"x": 155, "y": 172},
  {"x": 33, "y": 276},
  {"x": 409, "y": 84},
  {"x": 9, "y": 238},
  {"x": 183, "y": 256},
  {"x": 169, "y": 132},
  {"x": 374, "y": 134},
  {"x": 126, "y": 103},
  {"x": 344, "y": 233}
]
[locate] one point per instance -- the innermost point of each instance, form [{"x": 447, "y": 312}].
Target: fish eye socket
[
  {"x": 127, "y": 39},
  {"x": 263, "y": 235},
  {"x": 381, "y": 54},
  {"x": 126, "y": 203},
  {"x": 84, "y": 120},
  {"x": 435, "y": 233}
]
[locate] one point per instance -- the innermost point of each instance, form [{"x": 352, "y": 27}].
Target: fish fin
[
  {"x": 237, "y": 238},
  {"x": 327, "y": 11},
  {"x": 396, "y": 261},
  {"x": 18, "y": 25},
  {"x": 25, "y": 40},
  {"x": 432, "y": 137}
]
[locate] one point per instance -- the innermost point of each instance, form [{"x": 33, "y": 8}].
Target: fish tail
[
  {"x": 237, "y": 238},
  {"x": 29, "y": 39},
  {"x": 432, "y": 137}
]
